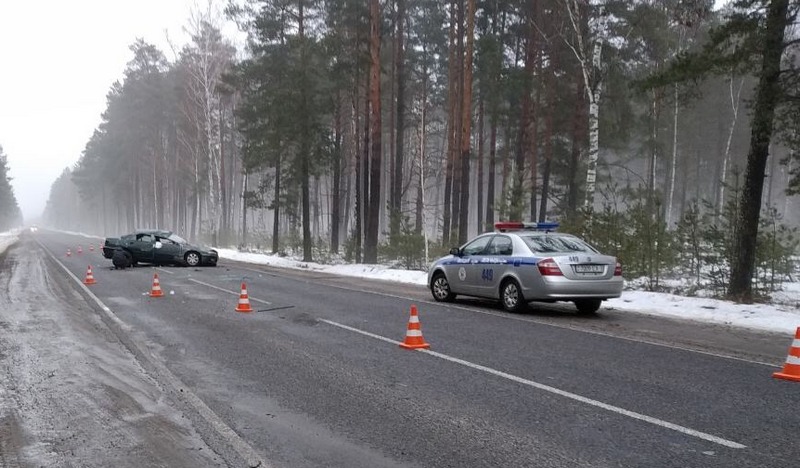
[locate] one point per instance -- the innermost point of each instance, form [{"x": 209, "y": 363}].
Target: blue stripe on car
[{"x": 477, "y": 260}]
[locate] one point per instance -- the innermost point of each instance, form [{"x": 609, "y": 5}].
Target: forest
[
  {"x": 10, "y": 213},
  {"x": 662, "y": 131}
]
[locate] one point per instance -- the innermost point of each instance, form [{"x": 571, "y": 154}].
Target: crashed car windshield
[{"x": 177, "y": 239}]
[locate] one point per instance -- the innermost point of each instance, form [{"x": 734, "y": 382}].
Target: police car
[{"x": 524, "y": 262}]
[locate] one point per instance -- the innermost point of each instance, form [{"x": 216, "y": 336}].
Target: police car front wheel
[{"x": 440, "y": 288}]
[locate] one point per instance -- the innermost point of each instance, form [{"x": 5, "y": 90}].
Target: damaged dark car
[{"x": 156, "y": 247}]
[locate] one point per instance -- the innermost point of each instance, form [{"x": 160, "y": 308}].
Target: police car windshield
[{"x": 552, "y": 243}]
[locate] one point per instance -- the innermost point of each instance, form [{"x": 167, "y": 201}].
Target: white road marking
[
  {"x": 556, "y": 391},
  {"x": 507, "y": 316},
  {"x": 229, "y": 291},
  {"x": 239, "y": 445}
]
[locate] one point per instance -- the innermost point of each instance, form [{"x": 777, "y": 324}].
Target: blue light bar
[
  {"x": 518, "y": 226},
  {"x": 545, "y": 226}
]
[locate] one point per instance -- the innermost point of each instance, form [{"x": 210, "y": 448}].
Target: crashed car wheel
[
  {"x": 122, "y": 259},
  {"x": 192, "y": 259}
]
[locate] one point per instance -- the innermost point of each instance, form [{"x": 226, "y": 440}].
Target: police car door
[
  {"x": 466, "y": 277},
  {"x": 493, "y": 265}
]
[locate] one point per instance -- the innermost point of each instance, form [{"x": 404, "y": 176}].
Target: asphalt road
[{"x": 315, "y": 377}]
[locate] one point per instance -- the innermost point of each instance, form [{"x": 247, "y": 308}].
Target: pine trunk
[
  {"x": 767, "y": 95},
  {"x": 492, "y": 176},
  {"x": 466, "y": 121},
  {"x": 373, "y": 220},
  {"x": 397, "y": 179},
  {"x": 276, "y": 206},
  {"x": 420, "y": 205},
  {"x": 451, "y": 128},
  {"x": 337, "y": 176},
  {"x": 481, "y": 149},
  {"x": 458, "y": 163}
]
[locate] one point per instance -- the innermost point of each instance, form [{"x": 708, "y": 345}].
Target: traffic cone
[
  {"x": 80, "y": 250},
  {"x": 244, "y": 301},
  {"x": 69, "y": 253},
  {"x": 89, "y": 276},
  {"x": 156, "y": 291},
  {"x": 414, "y": 339},
  {"x": 91, "y": 247},
  {"x": 791, "y": 370}
]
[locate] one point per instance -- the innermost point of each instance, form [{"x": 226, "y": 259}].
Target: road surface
[{"x": 104, "y": 374}]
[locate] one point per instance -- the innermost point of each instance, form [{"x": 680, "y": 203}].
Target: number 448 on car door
[{"x": 487, "y": 274}]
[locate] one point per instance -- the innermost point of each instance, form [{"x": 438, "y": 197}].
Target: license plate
[{"x": 589, "y": 269}]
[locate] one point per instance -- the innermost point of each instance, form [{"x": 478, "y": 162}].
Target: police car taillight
[
  {"x": 618, "y": 269},
  {"x": 549, "y": 267}
]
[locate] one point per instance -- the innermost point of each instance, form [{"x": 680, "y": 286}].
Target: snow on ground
[
  {"x": 7, "y": 238},
  {"x": 766, "y": 317},
  {"x": 781, "y": 318}
]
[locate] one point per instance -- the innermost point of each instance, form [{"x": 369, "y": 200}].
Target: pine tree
[
  {"x": 752, "y": 39},
  {"x": 10, "y": 214}
]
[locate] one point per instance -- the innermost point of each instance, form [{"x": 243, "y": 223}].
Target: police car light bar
[{"x": 519, "y": 226}]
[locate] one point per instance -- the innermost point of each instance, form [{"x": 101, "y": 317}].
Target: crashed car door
[
  {"x": 166, "y": 251},
  {"x": 142, "y": 248}
]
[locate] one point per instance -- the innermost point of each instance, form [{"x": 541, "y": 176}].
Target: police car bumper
[{"x": 560, "y": 288}]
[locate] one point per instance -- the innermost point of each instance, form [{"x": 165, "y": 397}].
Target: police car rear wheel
[
  {"x": 440, "y": 289},
  {"x": 511, "y": 296},
  {"x": 588, "y": 306}
]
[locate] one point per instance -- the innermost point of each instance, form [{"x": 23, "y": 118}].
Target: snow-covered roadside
[
  {"x": 780, "y": 318},
  {"x": 766, "y": 317},
  {"x": 7, "y": 238}
]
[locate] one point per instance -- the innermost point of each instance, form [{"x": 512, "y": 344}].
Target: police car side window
[
  {"x": 477, "y": 247},
  {"x": 501, "y": 245}
]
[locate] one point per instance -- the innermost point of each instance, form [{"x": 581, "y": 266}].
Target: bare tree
[
  {"x": 590, "y": 67},
  {"x": 735, "y": 101},
  {"x": 207, "y": 58}
]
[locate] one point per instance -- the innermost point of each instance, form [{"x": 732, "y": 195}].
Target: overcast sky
[{"x": 58, "y": 59}]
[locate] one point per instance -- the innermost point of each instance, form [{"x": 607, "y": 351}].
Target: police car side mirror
[{"x": 455, "y": 251}]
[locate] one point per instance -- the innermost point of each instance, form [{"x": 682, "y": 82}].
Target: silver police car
[{"x": 524, "y": 262}]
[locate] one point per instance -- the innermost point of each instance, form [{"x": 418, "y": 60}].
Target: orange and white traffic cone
[
  {"x": 69, "y": 253},
  {"x": 80, "y": 250},
  {"x": 414, "y": 339},
  {"x": 156, "y": 291},
  {"x": 89, "y": 276},
  {"x": 244, "y": 301},
  {"x": 791, "y": 370},
  {"x": 91, "y": 247}
]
